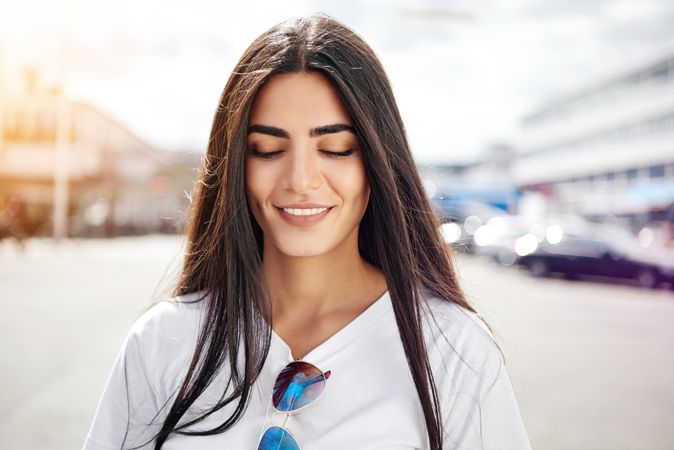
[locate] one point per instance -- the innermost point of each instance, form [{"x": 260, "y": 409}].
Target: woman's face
[{"x": 305, "y": 177}]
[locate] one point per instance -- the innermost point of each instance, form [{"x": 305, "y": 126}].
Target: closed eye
[
  {"x": 264, "y": 155},
  {"x": 329, "y": 153},
  {"x": 338, "y": 154}
]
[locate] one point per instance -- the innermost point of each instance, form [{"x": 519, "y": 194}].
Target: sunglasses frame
[{"x": 325, "y": 375}]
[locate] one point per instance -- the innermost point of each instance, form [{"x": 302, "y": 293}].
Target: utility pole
[
  {"x": 62, "y": 166},
  {"x": 2, "y": 103},
  {"x": 64, "y": 126}
]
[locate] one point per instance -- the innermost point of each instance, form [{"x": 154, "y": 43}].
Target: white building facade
[
  {"x": 607, "y": 150},
  {"x": 116, "y": 183}
]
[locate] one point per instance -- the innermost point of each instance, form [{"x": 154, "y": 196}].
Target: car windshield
[
  {"x": 620, "y": 240},
  {"x": 578, "y": 247}
]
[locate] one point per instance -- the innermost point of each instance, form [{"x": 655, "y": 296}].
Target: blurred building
[
  {"x": 116, "y": 183},
  {"x": 487, "y": 181},
  {"x": 607, "y": 149}
]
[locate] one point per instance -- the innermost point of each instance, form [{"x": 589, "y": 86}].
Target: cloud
[{"x": 464, "y": 73}]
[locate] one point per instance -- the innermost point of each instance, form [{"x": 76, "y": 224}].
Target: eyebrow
[{"x": 314, "y": 132}]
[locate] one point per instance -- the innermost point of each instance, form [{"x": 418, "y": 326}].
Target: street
[{"x": 591, "y": 363}]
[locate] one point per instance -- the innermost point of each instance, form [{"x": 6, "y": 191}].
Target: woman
[{"x": 317, "y": 306}]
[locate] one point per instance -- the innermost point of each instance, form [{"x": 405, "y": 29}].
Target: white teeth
[{"x": 304, "y": 212}]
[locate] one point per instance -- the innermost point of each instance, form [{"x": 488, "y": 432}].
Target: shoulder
[
  {"x": 172, "y": 318},
  {"x": 460, "y": 344},
  {"x": 478, "y": 403},
  {"x": 166, "y": 333},
  {"x": 456, "y": 320},
  {"x": 160, "y": 343}
]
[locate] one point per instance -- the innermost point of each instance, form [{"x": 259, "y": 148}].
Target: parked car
[
  {"x": 576, "y": 257},
  {"x": 461, "y": 219},
  {"x": 496, "y": 238},
  {"x": 504, "y": 237}
]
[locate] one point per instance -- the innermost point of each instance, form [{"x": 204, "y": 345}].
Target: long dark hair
[{"x": 224, "y": 243}]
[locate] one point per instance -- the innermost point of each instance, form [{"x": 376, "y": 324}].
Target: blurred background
[{"x": 544, "y": 133}]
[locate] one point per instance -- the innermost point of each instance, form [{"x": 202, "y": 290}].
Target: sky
[{"x": 464, "y": 73}]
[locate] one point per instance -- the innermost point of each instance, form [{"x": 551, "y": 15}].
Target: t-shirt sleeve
[
  {"x": 486, "y": 417},
  {"x": 125, "y": 415},
  {"x": 480, "y": 410},
  {"x": 501, "y": 419}
]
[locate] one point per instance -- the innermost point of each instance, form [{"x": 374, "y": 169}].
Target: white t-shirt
[{"x": 369, "y": 401}]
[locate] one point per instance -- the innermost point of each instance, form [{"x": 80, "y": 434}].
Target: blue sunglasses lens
[
  {"x": 298, "y": 384},
  {"x": 277, "y": 438}
]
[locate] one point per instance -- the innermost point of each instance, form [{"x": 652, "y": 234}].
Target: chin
[{"x": 303, "y": 249}]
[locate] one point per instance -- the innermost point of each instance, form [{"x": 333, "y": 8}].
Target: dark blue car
[{"x": 584, "y": 257}]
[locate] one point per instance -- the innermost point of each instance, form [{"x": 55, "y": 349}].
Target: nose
[{"x": 303, "y": 171}]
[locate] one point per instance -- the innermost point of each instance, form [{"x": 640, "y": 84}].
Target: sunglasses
[{"x": 297, "y": 386}]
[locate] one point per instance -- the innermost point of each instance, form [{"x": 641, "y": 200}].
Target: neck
[{"x": 313, "y": 286}]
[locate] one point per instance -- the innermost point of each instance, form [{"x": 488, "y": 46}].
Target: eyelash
[{"x": 269, "y": 155}]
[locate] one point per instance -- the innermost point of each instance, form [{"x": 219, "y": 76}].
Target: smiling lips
[{"x": 304, "y": 217}]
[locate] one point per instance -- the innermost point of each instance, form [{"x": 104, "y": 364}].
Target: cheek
[
  {"x": 352, "y": 182},
  {"x": 255, "y": 187},
  {"x": 255, "y": 180}
]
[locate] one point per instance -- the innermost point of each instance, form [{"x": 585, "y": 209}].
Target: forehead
[{"x": 298, "y": 100}]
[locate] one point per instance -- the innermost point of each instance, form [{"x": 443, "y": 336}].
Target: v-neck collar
[{"x": 345, "y": 335}]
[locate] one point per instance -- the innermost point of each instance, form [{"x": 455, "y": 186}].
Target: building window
[
  {"x": 657, "y": 171},
  {"x": 660, "y": 74}
]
